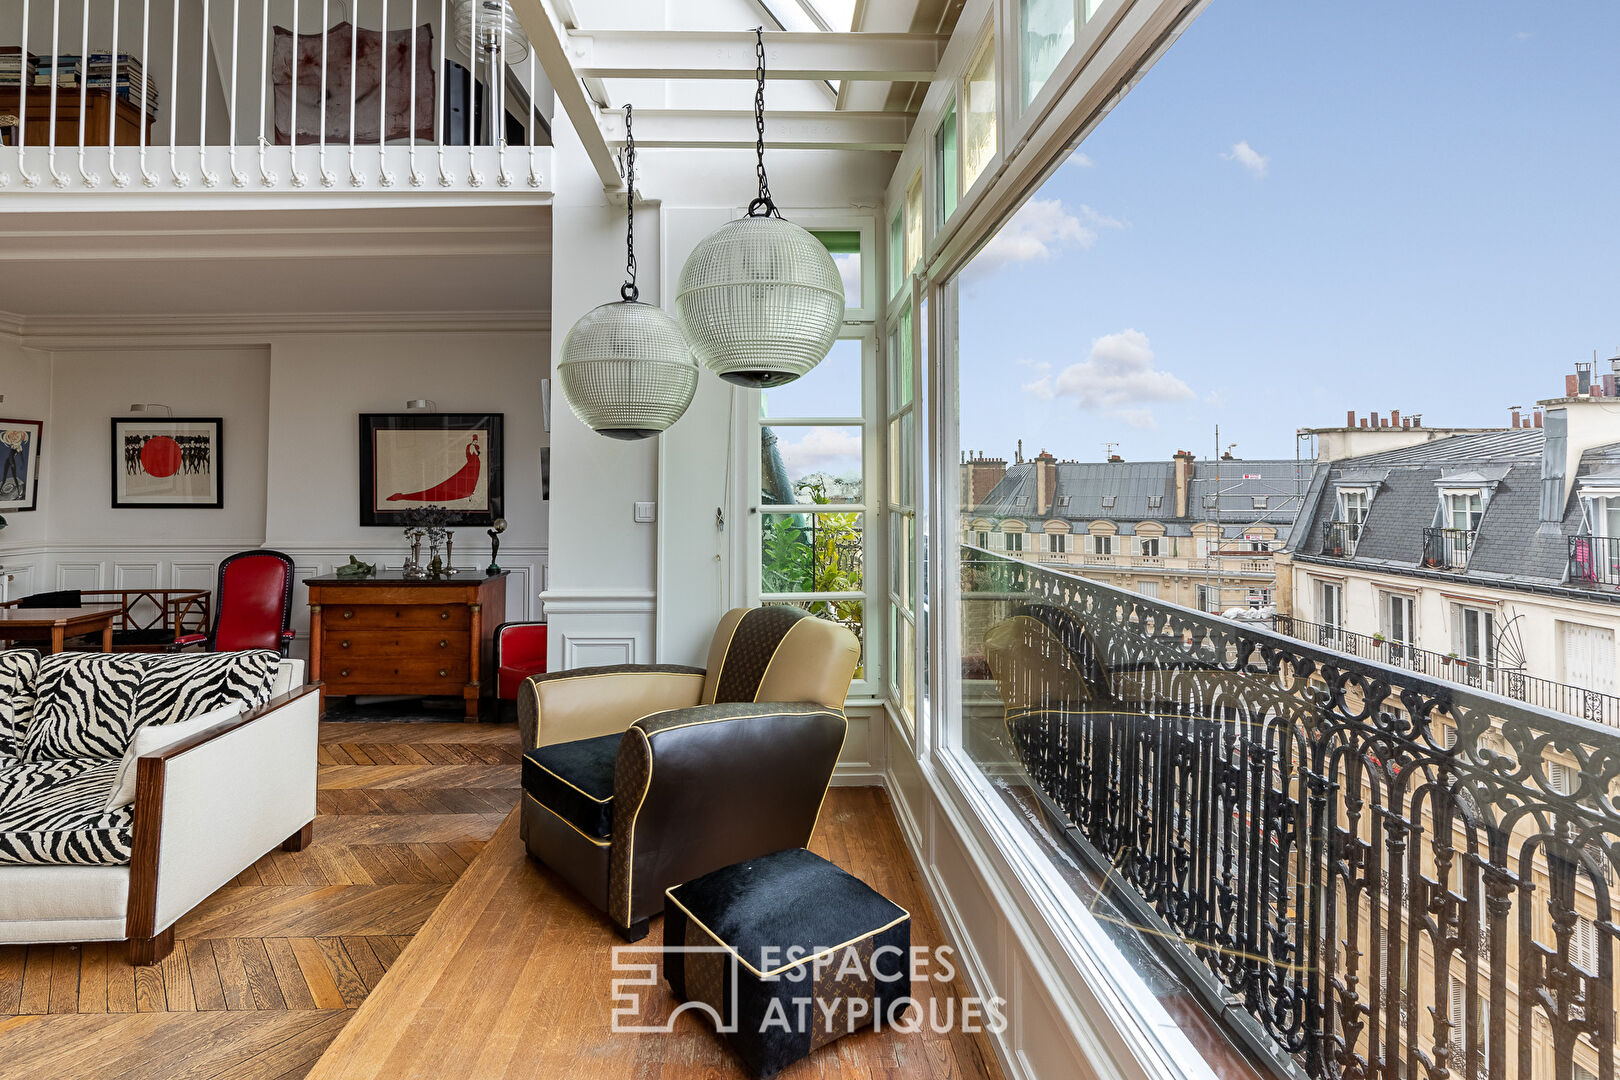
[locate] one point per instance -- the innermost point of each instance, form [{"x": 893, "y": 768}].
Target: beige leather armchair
[{"x": 636, "y": 778}]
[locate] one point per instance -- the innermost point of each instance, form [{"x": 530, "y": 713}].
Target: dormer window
[
  {"x": 1063, "y": 502},
  {"x": 1461, "y": 509},
  {"x": 1211, "y": 501},
  {"x": 1259, "y": 502},
  {"x": 1353, "y": 504},
  {"x": 1155, "y": 502},
  {"x": 1109, "y": 501}
]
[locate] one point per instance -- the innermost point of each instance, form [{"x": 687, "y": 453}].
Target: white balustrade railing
[{"x": 268, "y": 95}]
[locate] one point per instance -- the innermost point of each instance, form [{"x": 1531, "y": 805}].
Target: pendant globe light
[
  {"x": 760, "y": 299},
  {"x": 625, "y": 367}
]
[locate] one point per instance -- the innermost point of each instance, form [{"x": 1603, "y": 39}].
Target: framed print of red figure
[
  {"x": 412, "y": 460},
  {"x": 175, "y": 463}
]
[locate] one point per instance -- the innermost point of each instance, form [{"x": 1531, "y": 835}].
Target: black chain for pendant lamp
[
  {"x": 628, "y": 290},
  {"x": 761, "y": 206}
]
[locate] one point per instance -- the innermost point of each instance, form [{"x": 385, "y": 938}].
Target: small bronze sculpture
[
  {"x": 495, "y": 546},
  {"x": 354, "y": 568}
]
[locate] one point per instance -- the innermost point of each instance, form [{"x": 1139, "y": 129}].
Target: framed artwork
[
  {"x": 450, "y": 460},
  {"x": 19, "y": 464},
  {"x": 174, "y": 463}
]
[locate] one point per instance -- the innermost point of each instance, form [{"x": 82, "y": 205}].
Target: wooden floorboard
[{"x": 268, "y": 971}]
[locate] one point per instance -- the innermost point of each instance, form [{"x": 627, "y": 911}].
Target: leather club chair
[{"x": 637, "y": 778}]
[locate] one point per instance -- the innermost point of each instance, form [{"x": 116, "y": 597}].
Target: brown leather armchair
[{"x": 636, "y": 778}]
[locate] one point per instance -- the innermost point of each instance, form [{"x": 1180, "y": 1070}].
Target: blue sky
[{"x": 1306, "y": 208}]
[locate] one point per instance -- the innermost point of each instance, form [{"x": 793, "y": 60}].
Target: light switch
[{"x": 646, "y": 513}]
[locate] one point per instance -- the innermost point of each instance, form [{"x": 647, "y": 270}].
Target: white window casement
[
  {"x": 1353, "y": 503},
  {"x": 1109, "y": 501},
  {"x": 1149, "y": 589},
  {"x": 1149, "y": 546},
  {"x": 1461, "y": 508},
  {"x": 1587, "y": 659},
  {"x": 1057, "y": 543},
  {"x": 1473, "y": 634},
  {"x": 1015, "y": 541},
  {"x": 1155, "y": 502},
  {"x": 1102, "y": 544},
  {"x": 1397, "y": 617},
  {"x": 1329, "y": 603}
]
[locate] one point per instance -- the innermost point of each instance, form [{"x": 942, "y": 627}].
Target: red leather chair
[
  {"x": 253, "y": 606},
  {"x": 520, "y": 651}
]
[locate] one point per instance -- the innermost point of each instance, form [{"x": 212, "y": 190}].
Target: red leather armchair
[
  {"x": 520, "y": 651},
  {"x": 254, "y": 604}
]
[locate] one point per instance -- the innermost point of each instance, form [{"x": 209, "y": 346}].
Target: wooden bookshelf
[{"x": 37, "y": 123}]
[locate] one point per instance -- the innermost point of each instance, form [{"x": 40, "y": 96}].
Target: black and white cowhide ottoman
[{"x": 786, "y": 953}]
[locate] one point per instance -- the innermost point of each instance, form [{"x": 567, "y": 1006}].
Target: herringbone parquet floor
[{"x": 294, "y": 942}]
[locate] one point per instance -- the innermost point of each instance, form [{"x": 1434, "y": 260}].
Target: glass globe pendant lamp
[
  {"x": 625, "y": 367},
  {"x": 760, "y": 299},
  {"x": 483, "y": 23}
]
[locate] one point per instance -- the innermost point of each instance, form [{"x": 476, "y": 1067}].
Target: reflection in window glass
[
  {"x": 947, "y": 165},
  {"x": 832, "y": 390},
  {"x": 808, "y": 464},
  {"x": 811, "y": 553},
  {"x": 845, "y": 247},
  {"x": 897, "y": 250},
  {"x": 979, "y": 117},
  {"x": 1047, "y": 30},
  {"x": 914, "y": 224}
]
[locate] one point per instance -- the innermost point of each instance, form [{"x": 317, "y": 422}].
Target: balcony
[
  {"x": 1339, "y": 539},
  {"x": 1594, "y": 562},
  {"x": 1447, "y": 549},
  {"x": 218, "y": 97},
  {"x": 1591, "y": 705},
  {"x": 1370, "y": 871}
]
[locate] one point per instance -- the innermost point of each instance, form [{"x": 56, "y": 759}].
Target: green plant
[{"x": 786, "y": 557}]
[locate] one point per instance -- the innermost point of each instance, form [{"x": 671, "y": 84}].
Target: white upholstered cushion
[{"x": 155, "y": 737}]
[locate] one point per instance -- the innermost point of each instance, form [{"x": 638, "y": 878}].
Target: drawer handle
[
  {"x": 348, "y": 614},
  {"x": 444, "y": 614},
  {"x": 444, "y": 643},
  {"x": 344, "y": 673},
  {"x": 443, "y": 673},
  {"x": 344, "y": 644}
]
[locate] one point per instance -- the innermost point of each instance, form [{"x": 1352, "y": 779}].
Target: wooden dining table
[{"x": 56, "y": 625}]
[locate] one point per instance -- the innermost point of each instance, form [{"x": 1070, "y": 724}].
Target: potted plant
[{"x": 1378, "y": 637}]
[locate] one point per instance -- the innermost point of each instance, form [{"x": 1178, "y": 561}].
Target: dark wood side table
[
  {"x": 56, "y": 625},
  {"x": 100, "y": 106},
  {"x": 395, "y": 635}
]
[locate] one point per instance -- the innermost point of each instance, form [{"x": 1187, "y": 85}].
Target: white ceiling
[{"x": 455, "y": 260}]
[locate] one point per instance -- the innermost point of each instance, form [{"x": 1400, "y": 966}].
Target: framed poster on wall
[
  {"x": 175, "y": 463},
  {"x": 19, "y": 464},
  {"x": 450, "y": 460}
]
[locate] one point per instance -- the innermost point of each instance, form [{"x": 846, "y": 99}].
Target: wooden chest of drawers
[{"x": 392, "y": 635}]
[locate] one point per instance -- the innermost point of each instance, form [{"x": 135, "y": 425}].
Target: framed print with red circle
[{"x": 173, "y": 463}]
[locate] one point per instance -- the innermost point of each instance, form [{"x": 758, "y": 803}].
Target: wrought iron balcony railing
[
  {"x": 1339, "y": 539},
  {"x": 1376, "y": 874},
  {"x": 1593, "y": 705},
  {"x": 1448, "y": 549},
  {"x": 1594, "y": 561}
]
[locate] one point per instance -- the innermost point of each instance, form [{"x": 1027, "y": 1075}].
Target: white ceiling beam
[
  {"x": 724, "y": 54},
  {"x": 716, "y": 129},
  {"x": 549, "y": 39}
]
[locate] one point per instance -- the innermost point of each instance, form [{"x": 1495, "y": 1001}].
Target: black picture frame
[
  {"x": 486, "y": 445},
  {"x": 128, "y": 460},
  {"x": 21, "y": 442}
]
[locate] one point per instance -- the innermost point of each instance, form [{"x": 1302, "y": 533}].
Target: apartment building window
[
  {"x": 1057, "y": 542},
  {"x": 1259, "y": 502},
  {"x": 1588, "y": 656},
  {"x": 1211, "y": 502},
  {"x": 1109, "y": 501},
  {"x": 1330, "y": 603},
  {"x": 982, "y": 539},
  {"x": 1353, "y": 505},
  {"x": 1583, "y": 944},
  {"x": 1398, "y": 618},
  {"x": 1462, "y": 510},
  {"x": 1102, "y": 544},
  {"x": 1149, "y": 589},
  {"x": 1015, "y": 541},
  {"x": 1207, "y": 597},
  {"x": 1150, "y": 546},
  {"x": 1155, "y": 502},
  {"x": 1259, "y": 598},
  {"x": 1063, "y": 502},
  {"x": 1560, "y": 777},
  {"x": 1473, "y": 634}
]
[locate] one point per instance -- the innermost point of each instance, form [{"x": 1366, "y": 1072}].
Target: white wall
[{"x": 290, "y": 405}]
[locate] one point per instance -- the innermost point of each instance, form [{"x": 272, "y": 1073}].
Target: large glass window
[
  {"x": 947, "y": 163},
  {"x": 903, "y": 514},
  {"x": 1046, "y": 30},
  {"x": 979, "y": 113}
]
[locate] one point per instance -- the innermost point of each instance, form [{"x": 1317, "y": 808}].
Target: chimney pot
[
  {"x": 1538, "y": 418},
  {"x": 1350, "y": 418},
  {"x": 1363, "y": 421},
  {"x": 1406, "y": 422},
  {"x": 1516, "y": 418},
  {"x": 1569, "y": 385},
  {"x": 1374, "y": 418}
]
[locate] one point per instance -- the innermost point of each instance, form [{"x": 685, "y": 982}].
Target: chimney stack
[
  {"x": 1350, "y": 418},
  {"x": 1374, "y": 418},
  {"x": 1538, "y": 418},
  {"x": 1516, "y": 419},
  {"x": 1184, "y": 472},
  {"x": 1394, "y": 418}
]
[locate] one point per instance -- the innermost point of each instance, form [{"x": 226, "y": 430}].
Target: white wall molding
[{"x": 205, "y": 331}]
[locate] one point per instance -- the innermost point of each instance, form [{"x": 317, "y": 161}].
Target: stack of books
[
  {"x": 99, "y": 75},
  {"x": 13, "y": 65},
  {"x": 64, "y": 66}
]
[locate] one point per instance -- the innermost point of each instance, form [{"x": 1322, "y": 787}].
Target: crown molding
[{"x": 90, "y": 331}]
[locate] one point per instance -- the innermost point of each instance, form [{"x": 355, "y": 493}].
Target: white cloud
[
  {"x": 835, "y": 451},
  {"x": 1119, "y": 375},
  {"x": 1080, "y": 160},
  {"x": 849, "y": 269},
  {"x": 1248, "y": 157},
  {"x": 1041, "y": 229},
  {"x": 1039, "y": 366}
]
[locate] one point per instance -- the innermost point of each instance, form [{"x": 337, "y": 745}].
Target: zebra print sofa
[{"x": 221, "y": 748}]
